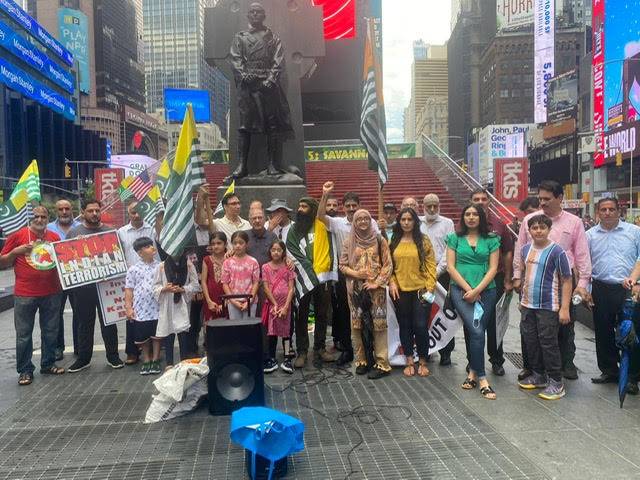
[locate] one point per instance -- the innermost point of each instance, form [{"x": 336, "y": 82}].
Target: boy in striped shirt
[{"x": 545, "y": 293}]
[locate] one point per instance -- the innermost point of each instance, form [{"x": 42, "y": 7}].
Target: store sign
[
  {"x": 27, "y": 22},
  {"x": 511, "y": 180},
  {"x": 357, "y": 152},
  {"x": 21, "y": 48},
  {"x": 624, "y": 139},
  {"x": 107, "y": 181},
  {"x": 74, "y": 34},
  {"x": 544, "y": 55},
  {"x": 22, "y": 82}
]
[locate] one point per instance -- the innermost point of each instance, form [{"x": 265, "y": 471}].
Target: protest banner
[
  {"x": 111, "y": 296},
  {"x": 442, "y": 325},
  {"x": 89, "y": 259}
]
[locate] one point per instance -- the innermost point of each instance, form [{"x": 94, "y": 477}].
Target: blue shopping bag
[{"x": 268, "y": 433}]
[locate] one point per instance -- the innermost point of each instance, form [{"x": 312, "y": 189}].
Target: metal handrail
[{"x": 449, "y": 172}]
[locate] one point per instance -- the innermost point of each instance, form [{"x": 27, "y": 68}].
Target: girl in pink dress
[
  {"x": 278, "y": 283},
  {"x": 241, "y": 275}
]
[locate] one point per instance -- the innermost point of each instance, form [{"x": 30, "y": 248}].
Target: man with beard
[
  {"x": 86, "y": 302},
  {"x": 61, "y": 226},
  {"x": 437, "y": 227},
  {"x": 310, "y": 249},
  {"x": 340, "y": 228}
]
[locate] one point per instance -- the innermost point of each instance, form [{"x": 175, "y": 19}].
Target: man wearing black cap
[{"x": 388, "y": 221}]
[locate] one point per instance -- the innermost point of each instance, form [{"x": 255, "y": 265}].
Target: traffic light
[
  {"x": 618, "y": 159},
  {"x": 67, "y": 170}
]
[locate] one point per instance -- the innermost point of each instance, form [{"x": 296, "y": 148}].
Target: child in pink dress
[
  {"x": 278, "y": 283},
  {"x": 241, "y": 275}
]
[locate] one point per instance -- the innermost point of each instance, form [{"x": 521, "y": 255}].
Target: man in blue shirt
[
  {"x": 614, "y": 248},
  {"x": 61, "y": 225}
]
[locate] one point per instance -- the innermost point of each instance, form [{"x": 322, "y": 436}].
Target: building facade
[{"x": 174, "y": 55}]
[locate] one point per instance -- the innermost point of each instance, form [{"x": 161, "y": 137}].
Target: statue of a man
[{"x": 257, "y": 62}]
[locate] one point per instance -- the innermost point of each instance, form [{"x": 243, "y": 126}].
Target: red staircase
[{"x": 407, "y": 177}]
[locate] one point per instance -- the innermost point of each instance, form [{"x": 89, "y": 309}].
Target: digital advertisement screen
[
  {"x": 339, "y": 17},
  {"x": 176, "y": 100}
]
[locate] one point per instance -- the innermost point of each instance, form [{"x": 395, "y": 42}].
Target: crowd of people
[{"x": 288, "y": 266}]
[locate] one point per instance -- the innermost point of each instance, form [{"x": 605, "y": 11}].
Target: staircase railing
[{"x": 457, "y": 181}]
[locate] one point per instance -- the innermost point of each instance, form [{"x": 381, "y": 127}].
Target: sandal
[
  {"x": 53, "y": 370},
  {"x": 469, "y": 384},
  {"x": 488, "y": 393},
  {"x": 409, "y": 373},
  {"x": 25, "y": 379},
  {"x": 423, "y": 370}
]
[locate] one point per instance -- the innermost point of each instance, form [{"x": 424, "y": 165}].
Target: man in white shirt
[
  {"x": 129, "y": 233},
  {"x": 230, "y": 223},
  {"x": 437, "y": 227}
]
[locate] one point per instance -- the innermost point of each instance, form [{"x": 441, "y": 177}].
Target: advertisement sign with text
[
  {"x": 74, "y": 35},
  {"x": 616, "y": 77},
  {"x": 544, "y": 55},
  {"x": 563, "y": 97},
  {"x": 90, "y": 259},
  {"x": 501, "y": 141},
  {"x": 107, "y": 181},
  {"x": 511, "y": 180},
  {"x": 514, "y": 13},
  {"x": 176, "y": 100}
]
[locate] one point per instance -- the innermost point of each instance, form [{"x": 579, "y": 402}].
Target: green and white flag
[
  {"x": 164, "y": 172},
  {"x": 30, "y": 182},
  {"x": 187, "y": 174},
  {"x": 15, "y": 213},
  {"x": 150, "y": 206}
]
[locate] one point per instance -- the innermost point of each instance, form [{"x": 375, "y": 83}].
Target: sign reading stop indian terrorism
[{"x": 90, "y": 259}]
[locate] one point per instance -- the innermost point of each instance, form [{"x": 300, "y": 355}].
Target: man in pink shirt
[{"x": 568, "y": 232}]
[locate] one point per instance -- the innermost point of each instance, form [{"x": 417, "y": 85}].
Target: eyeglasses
[{"x": 41, "y": 216}]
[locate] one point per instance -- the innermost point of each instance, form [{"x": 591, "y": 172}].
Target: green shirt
[{"x": 471, "y": 263}]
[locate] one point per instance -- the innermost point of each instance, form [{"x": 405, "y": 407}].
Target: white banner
[
  {"x": 442, "y": 328},
  {"x": 111, "y": 295},
  {"x": 544, "y": 55},
  {"x": 516, "y": 145}
]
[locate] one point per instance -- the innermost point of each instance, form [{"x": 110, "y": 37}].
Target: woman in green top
[{"x": 472, "y": 263}]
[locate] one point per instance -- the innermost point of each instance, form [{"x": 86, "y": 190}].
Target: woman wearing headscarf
[{"x": 366, "y": 263}]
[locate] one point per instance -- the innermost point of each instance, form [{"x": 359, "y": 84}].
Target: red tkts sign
[
  {"x": 107, "y": 181},
  {"x": 511, "y": 180}
]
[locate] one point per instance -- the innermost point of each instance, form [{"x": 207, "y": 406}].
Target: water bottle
[{"x": 576, "y": 299}]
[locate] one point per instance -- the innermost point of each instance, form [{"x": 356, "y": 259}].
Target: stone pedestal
[{"x": 265, "y": 193}]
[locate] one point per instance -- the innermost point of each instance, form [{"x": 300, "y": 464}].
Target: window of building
[{"x": 504, "y": 93}]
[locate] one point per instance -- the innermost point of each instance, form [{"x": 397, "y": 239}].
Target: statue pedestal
[{"x": 265, "y": 193}]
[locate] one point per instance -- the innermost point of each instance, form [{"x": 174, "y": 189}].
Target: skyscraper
[{"x": 173, "y": 42}]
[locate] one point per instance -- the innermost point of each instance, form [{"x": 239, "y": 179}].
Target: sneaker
[
  {"x": 286, "y": 366},
  {"x": 154, "y": 368},
  {"x": 77, "y": 366},
  {"x": 270, "y": 366},
  {"x": 554, "y": 391},
  {"x": 145, "y": 368},
  {"x": 533, "y": 381},
  {"x": 115, "y": 362}
]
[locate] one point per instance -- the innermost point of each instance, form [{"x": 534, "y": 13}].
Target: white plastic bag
[
  {"x": 177, "y": 380},
  {"x": 164, "y": 408}
]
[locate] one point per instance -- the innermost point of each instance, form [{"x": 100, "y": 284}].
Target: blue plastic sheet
[{"x": 268, "y": 433}]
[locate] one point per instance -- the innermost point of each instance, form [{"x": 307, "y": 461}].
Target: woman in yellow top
[
  {"x": 366, "y": 263},
  {"x": 412, "y": 286}
]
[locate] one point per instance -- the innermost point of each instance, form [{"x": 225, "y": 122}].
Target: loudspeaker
[{"x": 234, "y": 354}]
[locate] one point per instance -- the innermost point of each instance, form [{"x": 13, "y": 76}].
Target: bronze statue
[{"x": 257, "y": 62}]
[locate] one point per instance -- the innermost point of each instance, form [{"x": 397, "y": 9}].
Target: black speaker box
[{"x": 234, "y": 354}]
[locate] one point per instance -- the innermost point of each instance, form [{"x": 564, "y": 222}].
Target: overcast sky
[{"x": 404, "y": 21}]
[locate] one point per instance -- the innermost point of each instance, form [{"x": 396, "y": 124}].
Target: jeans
[
  {"x": 24, "y": 316},
  {"x": 539, "y": 329},
  {"x": 341, "y": 320},
  {"x": 413, "y": 317},
  {"x": 475, "y": 334},
  {"x": 608, "y": 301},
  {"x": 320, "y": 297},
  {"x": 85, "y": 304},
  {"x": 74, "y": 325},
  {"x": 496, "y": 355}
]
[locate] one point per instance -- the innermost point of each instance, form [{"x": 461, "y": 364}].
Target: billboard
[
  {"x": 563, "y": 97},
  {"x": 339, "y": 18},
  {"x": 27, "y": 22},
  {"x": 107, "y": 181},
  {"x": 616, "y": 45},
  {"x": 74, "y": 35},
  {"x": 514, "y": 13},
  {"x": 132, "y": 164},
  {"x": 501, "y": 141},
  {"x": 544, "y": 55},
  {"x": 176, "y": 100},
  {"x": 511, "y": 184},
  {"x": 23, "y": 49}
]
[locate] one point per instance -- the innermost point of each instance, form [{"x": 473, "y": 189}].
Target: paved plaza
[{"x": 88, "y": 425}]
